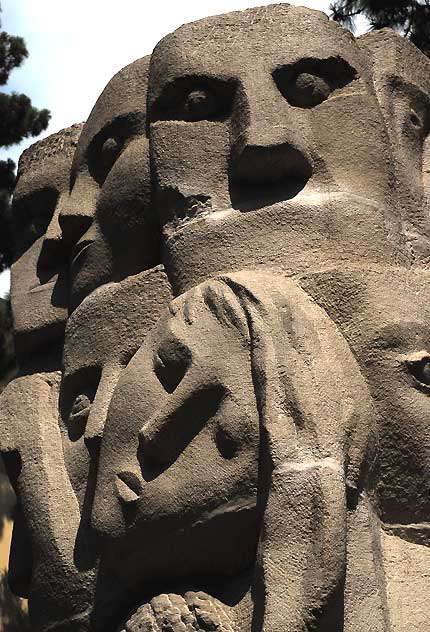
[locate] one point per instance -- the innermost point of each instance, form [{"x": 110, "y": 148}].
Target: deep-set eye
[
  {"x": 308, "y": 90},
  {"x": 110, "y": 151},
  {"x": 310, "y": 81},
  {"x": 194, "y": 98},
  {"x": 171, "y": 363},
  {"x": 199, "y": 105},
  {"x": 420, "y": 370},
  {"x": 79, "y": 414},
  {"x": 416, "y": 120}
]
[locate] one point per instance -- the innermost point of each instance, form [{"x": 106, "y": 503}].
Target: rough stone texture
[
  {"x": 111, "y": 182},
  {"x": 239, "y": 438},
  {"x": 39, "y": 294}
]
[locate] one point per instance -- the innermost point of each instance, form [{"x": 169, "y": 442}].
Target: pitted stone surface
[{"x": 220, "y": 295}]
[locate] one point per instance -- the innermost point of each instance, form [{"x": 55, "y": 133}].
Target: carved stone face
[
  {"x": 277, "y": 135},
  {"x": 39, "y": 290},
  {"x": 105, "y": 220},
  {"x": 401, "y": 76},
  {"x": 46, "y": 563},
  {"x": 384, "y": 315},
  {"x": 93, "y": 362},
  {"x": 178, "y": 471}
]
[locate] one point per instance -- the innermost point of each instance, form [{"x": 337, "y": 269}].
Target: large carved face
[
  {"x": 263, "y": 122},
  {"x": 384, "y": 314},
  {"x": 105, "y": 220},
  {"x": 244, "y": 400},
  {"x": 39, "y": 289},
  {"x": 178, "y": 471}
]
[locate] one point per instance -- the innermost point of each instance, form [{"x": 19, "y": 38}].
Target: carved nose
[
  {"x": 51, "y": 256},
  {"x": 269, "y": 158},
  {"x": 262, "y": 164}
]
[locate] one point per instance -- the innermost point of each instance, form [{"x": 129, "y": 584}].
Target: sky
[{"x": 76, "y": 47}]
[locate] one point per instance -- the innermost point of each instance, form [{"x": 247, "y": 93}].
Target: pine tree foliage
[
  {"x": 410, "y": 17},
  {"x": 13, "y": 51},
  {"x": 18, "y": 120}
]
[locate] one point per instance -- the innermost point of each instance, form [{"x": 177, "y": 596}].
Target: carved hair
[
  {"x": 318, "y": 446},
  {"x": 62, "y": 143}
]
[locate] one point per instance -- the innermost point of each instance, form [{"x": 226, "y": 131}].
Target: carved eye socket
[
  {"x": 199, "y": 105},
  {"x": 309, "y": 82},
  {"x": 110, "y": 151},
  {"x": 415, "y": 120},
  {"x": 420, "y": 370},
  {"x": 194, "y": 99},
  {"x": 171, "y": 362}
]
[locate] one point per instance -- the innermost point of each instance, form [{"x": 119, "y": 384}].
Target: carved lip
[
  {"x": 79, "y": 249},
  {"x": 43, "y": 287},
  {"x": 129, "y": 487}
]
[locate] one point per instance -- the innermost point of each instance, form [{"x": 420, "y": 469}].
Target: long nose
[
  {"x": 77, "y": 210},
  {"x": 270, "y": 153},
  {"x": 186, "y": 411},
  {"x": 99, "y": 409},
  {"x": 51, "y": 255}
]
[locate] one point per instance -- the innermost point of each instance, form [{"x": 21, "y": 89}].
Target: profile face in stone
[
  {"x": 45, "y": 563},
  {"x": 384, "y": 315},
  {"x": 401, "y": 78},
  {"x": 39, "y": 289},
  {"x": 176, "y": 490},
  {"x": 252, "y": 113},
  {"x": 238, "y": 422},
  {"x": 105, "y": 221},
  {"x": 92, "y": 363}
]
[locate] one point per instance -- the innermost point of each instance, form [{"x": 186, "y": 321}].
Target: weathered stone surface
[
  {"x": 39, "y": 292},
  {"x": 107, "y": 220},
  {"x": 239, "y": 436}
]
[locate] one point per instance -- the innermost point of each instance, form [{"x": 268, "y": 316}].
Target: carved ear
[{"x": 309, "y": 391}]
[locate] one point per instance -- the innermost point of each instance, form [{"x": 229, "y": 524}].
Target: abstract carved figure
[
  {"x": 42, "y": 565},
  {"x": 225, "y": 380},
  {"x": 232, "y": 434},
  {"x": 107, "y": 221}
]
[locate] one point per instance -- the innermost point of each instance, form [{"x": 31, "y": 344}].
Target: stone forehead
[
  {"x": 272, "y": 15},
  {"x": 63, "y": 144},
  {"x": 229, "y": 28},
  {"x": 355, "y": 291},
  {"x": 394, "y": 57},
  {"x": 247, "y": 42},
  {"x": 124, "y": 94}
]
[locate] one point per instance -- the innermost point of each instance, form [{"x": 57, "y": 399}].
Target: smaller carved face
[
  {"x": 401, "y": 78},
  {"x": 384, "y": 315},
  {"x": 39, "y": 290},
  {"x": 105, "y": 220},
  {"x": 179, "y": 462},
  {"x": 101, "y": 336}
]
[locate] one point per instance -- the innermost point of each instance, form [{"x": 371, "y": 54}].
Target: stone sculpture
[{"x": 238, "y": 439}]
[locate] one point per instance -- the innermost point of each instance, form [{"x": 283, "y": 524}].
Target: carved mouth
[
  {"x": 250, "y": 196},
  {"x": 43, "y": 287},
  {"x": 129, "y": 487},
  {"x": 79, "y": 249}
]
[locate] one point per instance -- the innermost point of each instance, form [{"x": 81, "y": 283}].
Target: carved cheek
[
  {"x": 350, "y": 139},
  {"x": 190, "y": 161}
]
